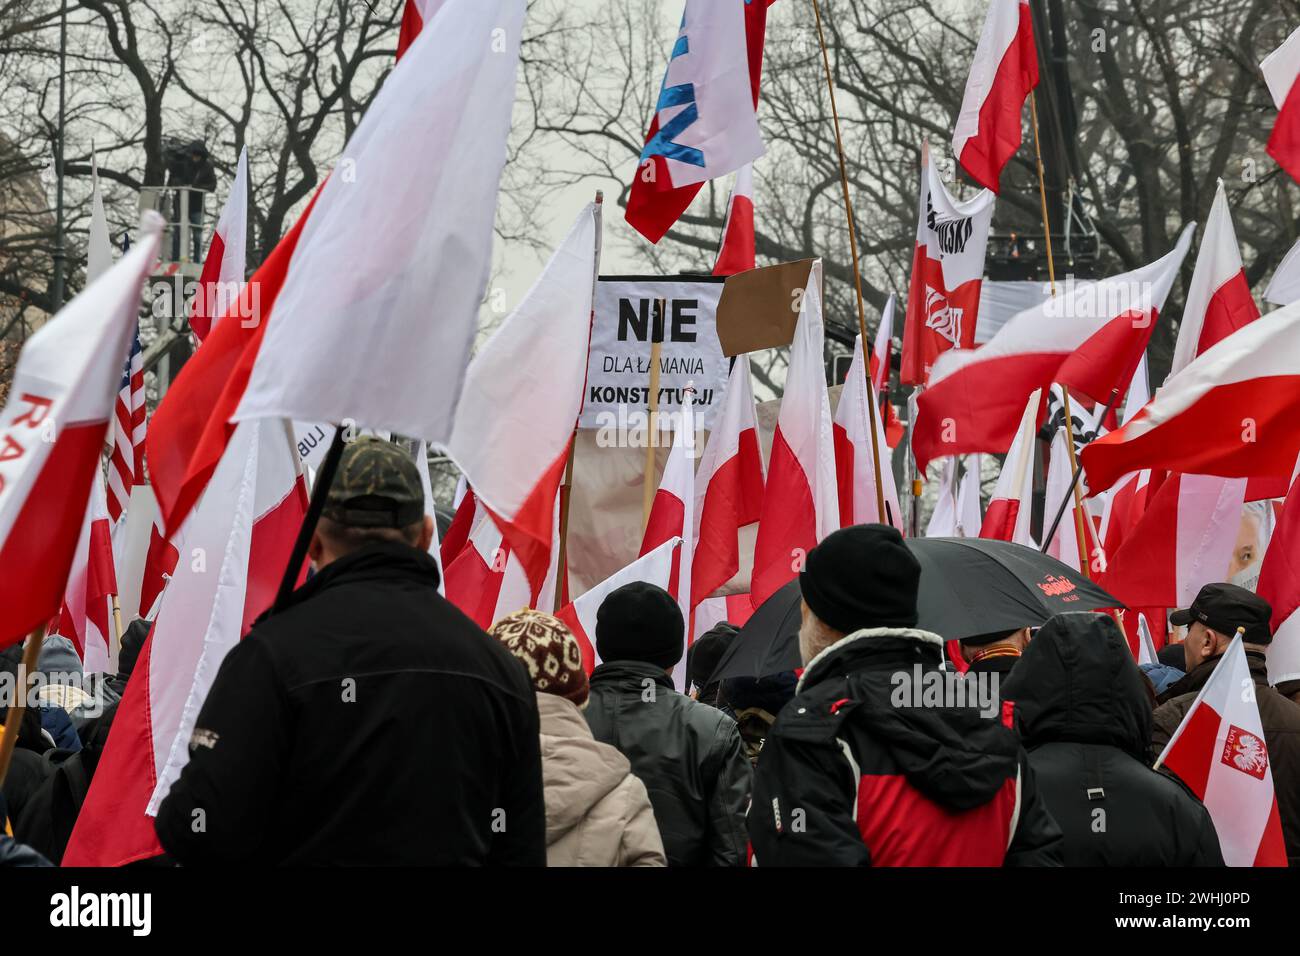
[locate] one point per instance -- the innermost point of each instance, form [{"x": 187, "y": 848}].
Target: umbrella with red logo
[{"x": 968, "y": 586}]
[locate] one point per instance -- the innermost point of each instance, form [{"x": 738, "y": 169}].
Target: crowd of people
[{"x": 371, "y": 722}]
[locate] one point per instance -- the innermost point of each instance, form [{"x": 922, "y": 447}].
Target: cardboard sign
[
  {"x": 627, "y": 321},
  {"x": 760, "y": 308}
]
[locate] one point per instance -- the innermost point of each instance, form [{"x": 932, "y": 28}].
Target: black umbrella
[{"x": 968, "y": 586}]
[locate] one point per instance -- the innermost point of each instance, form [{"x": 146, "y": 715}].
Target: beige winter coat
[{"x": 597, "y": 812}]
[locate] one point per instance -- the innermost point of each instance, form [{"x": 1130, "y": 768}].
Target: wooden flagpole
[
  {"x": 14, "y": 719},
  {"x": 1079, "y": 517},
  {"x": 566, "y": 488},
  {"x": 117, "y": 621},
  {"x": 882, "y": 515}
]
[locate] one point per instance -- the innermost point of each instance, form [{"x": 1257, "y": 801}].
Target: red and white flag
[
  {"x": 801, "y": 501},
  {"x": 1219, "y": 751},
  {"x": 672, "y": 513},
  {"x": 728, "y": 487},
  {"x": 430, "y": 511},
  {"x": 1284, "y": 287},
  {"x": 52, "y": 429},
  {"x": 947, "y": 270},
  {"x": 957, "y": 508},
  {"x": 1279, "y": 584},
  {"x": 222, "y": 277},
  {"x": 1281, "y": 69},
  {"x": 522, "y": 397},
  {"x": 855, "y": 472},
  {"x": 1182, "y": 541},
  {"x": 733, "y": 609},
  {"x": 1003, "y": 72},
  {"x": 401, "y": 231},
  {"x": 159, "y": 565},
  {"x": 1218, "y": 297},
  {"x": 704, "y": 125},
  {"x": 465, "y": 506},
  {"x": 99, "y": 247},
  {"x": 1231, "y": 412},
  {"x": 86, "y": 617},
  {"x": 1088, "y": 338},
  {"x": 1010, "y": 508},
  {"x": 237, "y": 545},
  {"x": 485, "y": 580},
  {"x": 736, "y": 254},
  {"x": 1064, "y": 545},
  {"x": 415, "y": 15},
  {"x": 130, "y": 428},
  {"x": 655, "y": 568},
  {"x": 880, "y": 363}
]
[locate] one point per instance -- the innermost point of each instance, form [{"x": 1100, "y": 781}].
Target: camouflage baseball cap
[{"x": 377, "y": 486}]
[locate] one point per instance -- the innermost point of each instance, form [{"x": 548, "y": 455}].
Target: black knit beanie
[
  {"x": 640, "y": 622},
  {"x": 863, "y": 576}
]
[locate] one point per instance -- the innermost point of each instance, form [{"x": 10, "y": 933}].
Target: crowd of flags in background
[{"x": 1165, "y": 478}]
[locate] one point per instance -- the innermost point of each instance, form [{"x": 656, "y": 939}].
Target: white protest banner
[{"x": 627, "y": 320}]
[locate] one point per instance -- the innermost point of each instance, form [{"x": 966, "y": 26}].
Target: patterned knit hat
[{"x": 549, "y": 651}]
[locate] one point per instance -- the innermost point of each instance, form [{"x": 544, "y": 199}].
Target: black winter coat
[
  {"x": 689, "y": 756},
  {"x": 859, "y": 772},
  {"x": 1085, "y": 718},
  {"x": 369, "y": 722}
]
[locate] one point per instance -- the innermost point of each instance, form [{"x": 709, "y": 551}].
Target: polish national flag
[
  {"x": 1003, "y": 73},
  {"x": 1010, "y": 508},
  {"x": 238, "y": 541},
  {"x": 1089, "y": 338},
  {"x": 222, "y": 277},
  {"x": 1064, "y": 545},
  {"x": 656, "y": 568},
  {"x": 672, "y": 513},
  {"x": 86, "y": 617},
  {"x": 704, "y": 125},
  {"x": 880, "y": 359},
  {"x": 52, "y": 430},
  {"x": 957, "y": 509},
  {"x": 855, "y": 472},
  {"x": 1231, "y": 412},
  {"x": 457, "y": 537},
  {"x": 801, "y": 501},
  {"x": 159, "y": 565},
  {"x": 1279, "y": 584},
  {"x": 415, "y": 15},
  {"x": 1218, "y": 298},
  {"x": 485, "y": 580},
  {"x": 1146, "y": 651},
  {"x": 947, "y": 270},
  {"x": 400, "y": 232},
  {"x": 1219, "y": 751},
  {"x": 728, "y": 487},
  {"x": 523, "y": 393},
  {"x": 736, "y": 254},
  {"x": 1182, "y": 541},
  {"x": 1280, "y": 69}
]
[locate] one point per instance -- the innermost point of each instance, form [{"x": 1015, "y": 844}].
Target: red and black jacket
[{"x": 859, "y": 772}]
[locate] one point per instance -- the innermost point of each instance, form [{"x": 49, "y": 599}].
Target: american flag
[{"x": 126, "y": 462}]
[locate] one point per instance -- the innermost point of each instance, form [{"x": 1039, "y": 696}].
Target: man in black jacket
[
  {"x": 1085, "y": 718},
  {"x": 689, "y": 755},
  {"x": 369, "y": 722},
  {"x": 881, "y": 758}
]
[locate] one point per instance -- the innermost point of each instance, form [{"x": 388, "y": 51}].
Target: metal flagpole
[{"x": 872, "y": 411}]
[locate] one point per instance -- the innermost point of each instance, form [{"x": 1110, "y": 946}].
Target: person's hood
[
  {"x": 1077, "y": 682},
  {"x": 957, "y": 756},
  {"x": 577, "y": 770},
  {"x": 630, "y": 675}
]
